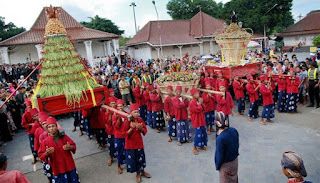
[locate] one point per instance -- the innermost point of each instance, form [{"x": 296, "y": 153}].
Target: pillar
[
  {"x": 108, "y": 48},
  {"x": 158, "y": 49},
  {"x": 201, "y": 48},
  {"x": 5, "y": 55},
  {"x": 211, "y": 46},
  {"x": 39, "y": 50},
  {"x": 180, "y": 47},
  {"x": 116, "y": 49},
  {"x": 89, "y": 52}
]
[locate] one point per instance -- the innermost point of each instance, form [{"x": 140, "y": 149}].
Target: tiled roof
[
  {"x": 308, "y": 25},
  {"x": 175, "y": 32},
  {"x": 74, "y": 29}
]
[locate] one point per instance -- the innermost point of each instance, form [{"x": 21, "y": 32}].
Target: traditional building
[
  {"x": 91, "y": 44},
  {"x": 303, "y": 32},
  {"x": 175, "y": 38}
]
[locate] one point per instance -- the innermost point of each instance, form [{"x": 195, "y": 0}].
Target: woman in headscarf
[
  {"x": 227, "y": 150},
  {"x": 293, "y": 167}
]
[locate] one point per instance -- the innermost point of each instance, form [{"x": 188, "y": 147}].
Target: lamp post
[
  {"x": 133, "y": 4},
  {"x": 154, "y": 4},
  {"x": 264, "y": 28}
]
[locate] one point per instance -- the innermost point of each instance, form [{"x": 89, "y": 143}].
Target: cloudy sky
[{"x": 24, "y": 12}]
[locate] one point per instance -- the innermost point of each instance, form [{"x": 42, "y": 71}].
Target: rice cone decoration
[{"x": 62, "y": 71}]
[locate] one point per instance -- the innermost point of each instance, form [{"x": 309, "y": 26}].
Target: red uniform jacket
[
  {"x": 35, "y": 126},
  {"x": 156, "y": 102},
  {"x": 196, "y": 114},
  {"x": 42, "y": 137},
  {"x": 134, "y": 141},
  {"x": 109, "y": 128},
  {"x": 97, "y": 119},
  {"x": 238, "y": 89},
  {"x": 146, "y": 97},
  {"x": 282, "y": 84},
  {"x": 212, "y": 82},
  {"x": 13, "y": 176},
  {"x": 181, "y": 112},
  {"x": 209, "y": 103},
  {"x": 225, "y": 104},
  {"x": 292, "y": 85},
  {"x": 138, "y": 96},
  {"x": 86, "y": 113},
  {"x": 168, "y": 106},
  {"x": 37, "y": 134},
  {"x": 118, "y": 130},
  {"x": 266, "y": 95},
  {"x": 202, "y": 82},
  {"x": 253, "y": 95},
  {"x": 60, "y": 160},
  {"x": 26, "y": 120},
  {"x": 219, "y": 82}
]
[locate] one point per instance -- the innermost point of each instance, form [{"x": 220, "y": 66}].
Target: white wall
[
  {"x": 19, "y": 54},
  {"x": 97, "y": 49},
  {"x": 140, "y": 52},
  {"x": 81, "y": 49},
  {"x": 306, "y": 40}
]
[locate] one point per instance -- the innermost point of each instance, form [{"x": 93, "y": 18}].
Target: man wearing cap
[
  {"x": 198, "y": 122},
  {"x": 170, "y": 112},
  {"x": 268, "y": 105},
  {"x": 157, "y": 109},
  {"x": 221, "y": 81},
  {"x": 209, "y": 104},
  {"x": 56, "y": 149},
  {"x": 110, "y": 131},
  {"x": 252, "y": 90},
  {"x": 211, "y": 79},
  {"x": 181, "y": 114},
  {"x": 138, "y": 95},
  {"x": 282, "y": 92},
  {"x": 31, "y": 129},
  {"x": 135, "y": 156},
  {"x": 227, "y": 150},
  {"x": 292, "y": 91},
  {"x": 238, "y": 89},
  {"x": 293, "y": 167},
  {"x": 146, "y": 96},
  {"x": 98, "y": 124},
  {"x": 313, "y": 83},
  {"x": 119, "y": 141},
  {"x": 13, "y": 176},
  {"x": 224, "y": 102}
]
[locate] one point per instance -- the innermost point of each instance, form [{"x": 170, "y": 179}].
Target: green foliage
[
  {"x": 102, "y": 24},
  {"x": 123, "y": 40},
  {"x": 250, "y": 12},
  {"x": 62, "y": 72},
  {"x": 316, "y": 41},
  {"x": 9, "y": 30},
  {"x": 186, "y": 9}
]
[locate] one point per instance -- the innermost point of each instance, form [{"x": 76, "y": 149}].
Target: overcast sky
[{"x": 24, "y": 12}]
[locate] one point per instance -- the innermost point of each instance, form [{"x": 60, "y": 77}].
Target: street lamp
[
  {"x": 154, "y": 4},
  {"x": 264, "y": 28},
  {"x": 133, "y": 4}
]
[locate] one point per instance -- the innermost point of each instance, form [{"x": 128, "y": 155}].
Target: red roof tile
[
  {"x": 74, "y": 29},
  {"x": 308, "y": 25},
  {"x": 175, "y": 32}
]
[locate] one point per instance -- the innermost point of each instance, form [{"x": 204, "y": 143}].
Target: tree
[
  {"x": 253, "y": 13},
  {"x": 316, "y": 41},
  {"x": 102, "y": 24},
  {"x": 186, "y": 9},
  {"x": 8, "y": 30}
]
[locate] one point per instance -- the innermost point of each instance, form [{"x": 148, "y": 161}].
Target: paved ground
[{"x": 261, "y": 149}]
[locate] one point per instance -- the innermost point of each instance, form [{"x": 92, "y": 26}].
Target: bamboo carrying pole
[
  {"x": 21, "y": 84},
  {"x": 211, "y": 91},
  {"x": 118, "y": 112}
]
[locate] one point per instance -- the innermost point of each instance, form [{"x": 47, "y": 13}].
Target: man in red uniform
[
  {"x": 29, "y": 122},
  {"x": 238, "y": 89},
  {"x": 198, "y": 122},
  {"x": 146, "y": 96},
  {"x": 209, "y": 103},
  {"x": 138, "y": 95},
  {"x": 224, "y": 102},
  {"x": 98, "y": 124},
  {"x": 268, "y": 105},
  {"x": 110, "y": 133},
  {"x": 181, "y": 114},
  {"x": 169, "y": 110},
  {"x": 292, "y": 91},
  {"x": 135, "y": 157},
  {"x": 282, "y": 94},
  {"x": 13, "y": 176},
  {"x": 252, "y": 90},
  {"x": 157, "y": 109},
  {"x": 221, "y": 81},
  {"x": 56, "y": 149}
]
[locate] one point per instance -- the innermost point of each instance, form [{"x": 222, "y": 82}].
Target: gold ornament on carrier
[{"x": 54, "y": 26}]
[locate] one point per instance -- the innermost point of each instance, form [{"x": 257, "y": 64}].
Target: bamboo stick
[
  {"x": 211, "y": 91},
  {"x": 119, "y": 113}
]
